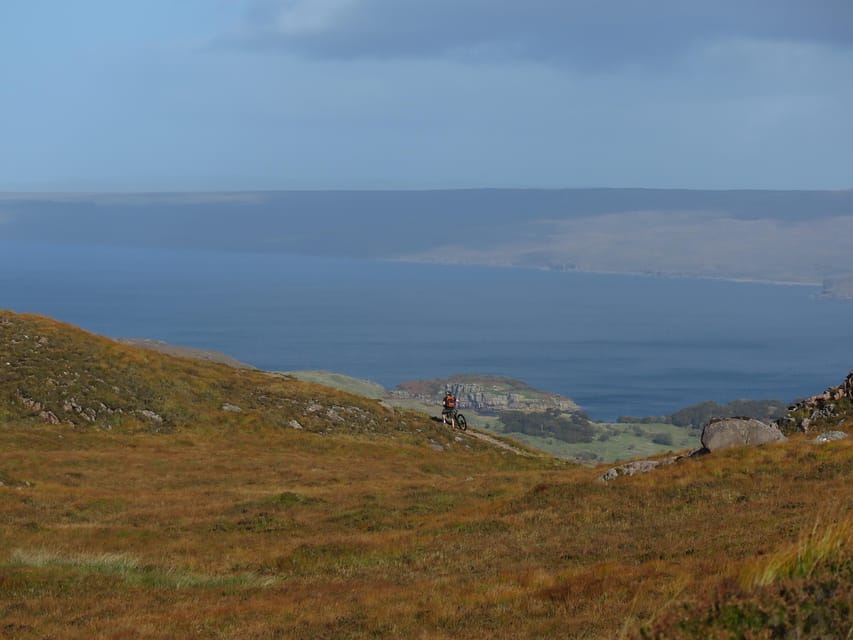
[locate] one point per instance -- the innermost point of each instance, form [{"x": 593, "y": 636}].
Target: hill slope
[
  {"x": 221, "y": 523},
  {"x": 53, "y": 373}
]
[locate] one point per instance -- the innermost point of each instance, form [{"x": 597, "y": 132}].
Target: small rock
[
  {"x": 231, "y": 407},
  {"x": 293, "y": 424},
  {"x": 829, "y": 436},
  {"x": 146, "y": 413},
  {"x": 630, "y": 469},
  {"x": 32, "y": 405},
  {"x": 334, "y": 415},
  {"x": 49, "y": 417}
]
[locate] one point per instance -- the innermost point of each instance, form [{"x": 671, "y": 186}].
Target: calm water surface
[{"x": 615, "y": 344}]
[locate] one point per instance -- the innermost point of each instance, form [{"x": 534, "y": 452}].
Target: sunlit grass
[
  {"x": 130, "y": 570},
  {"x": 237, "y": 526},
  {"x": 825, "y": 543}
]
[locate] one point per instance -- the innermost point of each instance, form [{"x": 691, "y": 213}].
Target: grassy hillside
[
  {"x": 340, "y": 381},
  {"x": 231, "y": 524},
  {"x": 55, "y": 373}
]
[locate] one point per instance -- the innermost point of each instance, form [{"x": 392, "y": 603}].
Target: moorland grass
[
  {"x": 365, "y": 522},
  {"x": 263, "y": 533}
]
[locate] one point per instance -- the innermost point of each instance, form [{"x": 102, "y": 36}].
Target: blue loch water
[{"x": 617, "y": 345}]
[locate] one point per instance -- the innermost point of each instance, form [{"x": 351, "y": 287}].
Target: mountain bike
[{"x": 458, "y": 419}]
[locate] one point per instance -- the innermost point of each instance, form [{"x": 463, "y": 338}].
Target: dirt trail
[{"x": 498, "y": 443}]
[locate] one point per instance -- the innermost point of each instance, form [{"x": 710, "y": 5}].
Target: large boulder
[{"x": 739, "y": 432}]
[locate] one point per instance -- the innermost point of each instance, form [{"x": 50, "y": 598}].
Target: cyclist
[{"x": 449, "y": 408}]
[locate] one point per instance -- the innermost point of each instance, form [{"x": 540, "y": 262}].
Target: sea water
[{"x": 617, "y": 345}]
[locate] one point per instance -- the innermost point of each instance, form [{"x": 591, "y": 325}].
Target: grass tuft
[{"x": 822, "y": 545}]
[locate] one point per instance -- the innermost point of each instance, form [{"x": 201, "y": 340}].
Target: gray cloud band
[{"x": 581, "y": 32}]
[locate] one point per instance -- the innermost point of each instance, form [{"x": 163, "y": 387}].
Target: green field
[{"x": 618, "y": 442}]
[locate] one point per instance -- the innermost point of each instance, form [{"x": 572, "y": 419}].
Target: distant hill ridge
[{"x": 772, "y": 236}]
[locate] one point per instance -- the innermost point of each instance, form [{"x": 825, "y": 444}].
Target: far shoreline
[{"x": 609, "y": 272}]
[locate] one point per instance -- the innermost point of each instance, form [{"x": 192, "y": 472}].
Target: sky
[{"x": 220, "y": 95}]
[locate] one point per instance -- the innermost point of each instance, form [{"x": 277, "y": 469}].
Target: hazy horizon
[{"x": 771, "y": 236}]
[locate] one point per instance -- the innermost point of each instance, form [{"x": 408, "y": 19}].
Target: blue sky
[{"x": 151, "y": 95}]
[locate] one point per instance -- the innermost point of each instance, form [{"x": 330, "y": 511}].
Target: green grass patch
[
  {"x": 366, "y": 388},
  {"x": 129, "y": 569}
]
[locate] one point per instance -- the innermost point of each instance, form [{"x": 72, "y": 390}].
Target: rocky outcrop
[
  {"x": 739, "y": 432},
  {"x": 487, "y": 399},
  {"x": 484, "y": 394},
  {"x": 833, "y": 405}
]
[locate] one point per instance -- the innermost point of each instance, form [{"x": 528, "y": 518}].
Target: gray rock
[
  {"x": 154, "y": 417},
  {"x": 49, "y": 417},
  {"x": 630, "y": 469},
  {"x": 739, "y": 432},
  {"x": 829, "y": 436},
  {"x": 231, "y": 407},
  {"x": 294, "y": 424}
]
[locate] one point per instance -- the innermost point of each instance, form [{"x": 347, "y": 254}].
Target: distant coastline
[
  {"x": 770, "y": 237},
  {"x": 616, "y": 272}
]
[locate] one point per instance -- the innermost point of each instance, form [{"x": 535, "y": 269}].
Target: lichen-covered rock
[{"x": 739, "y": 432}]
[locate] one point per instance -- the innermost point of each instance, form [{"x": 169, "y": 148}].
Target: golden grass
[
  {"x": 261, "y": 534},
  {"x": 369, "y": 523},
  {"x": 824, "y": 543}
]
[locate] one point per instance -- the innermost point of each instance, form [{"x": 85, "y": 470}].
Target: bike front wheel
[{"x": 461, "y": 422}]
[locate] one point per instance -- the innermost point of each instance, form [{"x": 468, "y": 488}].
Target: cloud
[{"x": 585, "y": 33}]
